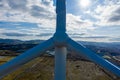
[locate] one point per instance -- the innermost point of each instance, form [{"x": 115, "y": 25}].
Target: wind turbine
[{"x": 60, "y": 41}]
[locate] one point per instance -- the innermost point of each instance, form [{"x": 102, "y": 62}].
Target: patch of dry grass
[{"x": 42, "y": 68}]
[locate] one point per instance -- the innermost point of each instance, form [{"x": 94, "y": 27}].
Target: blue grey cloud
[
  {"x": 45, "y": 34},
  {"x": 36, "y": 11},
  {"x": 115, "y": 16},
  {"x": 76, "y": 34},
  {"x": 15, "y": 34},
  {"x": 17, "y": 4},
  {"x": 46, "y": 2},
  {"x": 96, "y": 37},
  {"x": 117, "y": 10},
  {"x": 91, "y": 37},
  {"x": 83, "y": 36},
  {"x": 40, "y": 12},
  {"x": 115, "y": 39},
  {"x": 1, "y": 5}
]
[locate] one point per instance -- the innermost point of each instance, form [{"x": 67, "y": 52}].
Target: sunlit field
[{"x": 42, "y": 68}]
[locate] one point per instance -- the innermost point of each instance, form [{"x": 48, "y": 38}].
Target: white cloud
[
  {"x": 107, "y": 14},
  {"x": 36, "y": 11},
  {"x": 76, "y": 23},
  {"x": 112, "y": 2},
  {"x": 42, "y": 12}
]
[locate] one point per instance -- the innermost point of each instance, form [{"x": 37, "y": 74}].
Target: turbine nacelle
[{"x": 60, "y": 39}]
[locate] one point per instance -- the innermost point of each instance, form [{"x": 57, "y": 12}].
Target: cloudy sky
[{"x": 87, "y": 20}]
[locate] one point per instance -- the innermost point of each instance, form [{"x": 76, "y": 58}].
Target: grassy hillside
[{"x": 42, "y": 68}]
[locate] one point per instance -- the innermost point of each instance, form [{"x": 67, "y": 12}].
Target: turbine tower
[{"x": 60, "y": 41}]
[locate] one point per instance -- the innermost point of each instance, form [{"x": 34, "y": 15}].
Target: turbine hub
[{"x": 60, "y": 39}]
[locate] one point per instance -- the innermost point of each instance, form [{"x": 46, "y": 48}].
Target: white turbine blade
[
  {"x": 25, "y": 57},
  {"x": 94, "y": 57}
]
